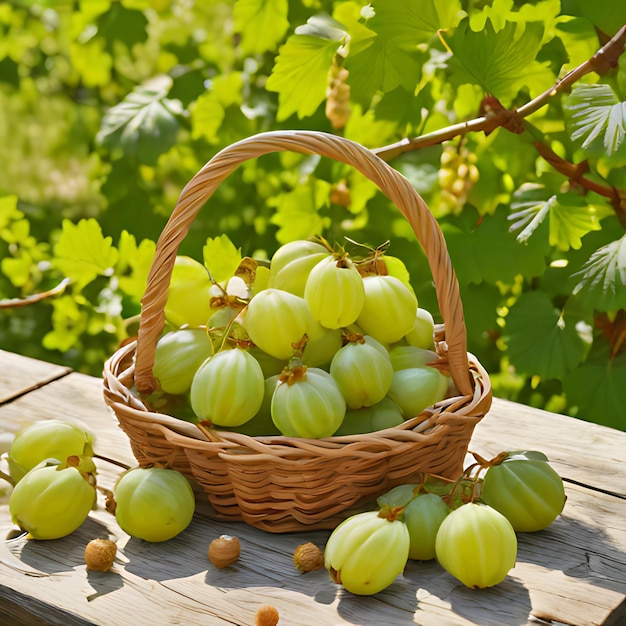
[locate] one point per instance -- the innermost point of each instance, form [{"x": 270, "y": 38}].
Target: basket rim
[{"x": 119, "y": 396}]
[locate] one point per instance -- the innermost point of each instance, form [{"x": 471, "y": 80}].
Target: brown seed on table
[
  {"x": 100, "y": 554},
  {"x": 266, "y": 615},
  {"x": 308, "y": 557},
  {"x": 224, "y": 551}
]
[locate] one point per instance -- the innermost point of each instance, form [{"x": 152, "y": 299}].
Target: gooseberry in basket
[
  {"x": 366, "y": 552},
  {"x": 177, "y": 357},
  {"x": 422, "y": 333},
  {"x": 53, "y": 499},
  {"x": 292, "y": 262},
  {"x": 417, "y": 388},
  {"x": 334, "y": 292},
  {"x": 321, "y": 346},
  {"x": 477, "y": 545},
  {"x": 526, "y": 490},
  {"x": 369, "y": 419},
  {"x": 307, "y": 402},
  {"x": 188, "y": 296},
  {"x": 362, "y": 369},
  {"x": 153, "y": 503},
  {"x": 405, "y": 356},
  {"x": 47, "y": 439},
  {"x": 228, "y": 388},
  {"x": 389, "y": 309},
  {"x": 275, "y": 320}
]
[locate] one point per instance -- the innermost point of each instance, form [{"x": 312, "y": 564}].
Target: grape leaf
[
  {"x": 261, "y": 24},
  {"x": 297, "y": 213},
  {"x": 602, "y": 280},
  {"x": 300, "y": 75},
  {"x": 596, "y": 113},
  {"x": 221, "y": 257},
  {"x": 484, "y": 250},
  {"x": 609, "y": 17},
  {"x": 501, "y": 63},
  {"x": 82, "y": 252},
  {"x": 570, "y": 218},
  {"x": 384, "y": 55},
  {"x": 542, "y": 340},
  {"x": 145, "y": 124},
  {"x": 596, "y": 388}
]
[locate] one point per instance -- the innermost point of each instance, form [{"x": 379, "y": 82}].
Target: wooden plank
[
  {"x": 20, "y": 374},
  {"x": 580, "y": 451}
]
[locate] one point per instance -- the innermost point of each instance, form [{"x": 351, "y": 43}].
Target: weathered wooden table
[{"x": 572, "y": 573}]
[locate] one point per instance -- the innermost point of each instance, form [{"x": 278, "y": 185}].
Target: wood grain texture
[
  {"x": 572, "y": 573},
  {"x": 19, "y": 374}
]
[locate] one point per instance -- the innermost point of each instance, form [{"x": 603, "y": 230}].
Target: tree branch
[
  {"x": 605, "y": 58},
  {"x": 37, "y": 297}
]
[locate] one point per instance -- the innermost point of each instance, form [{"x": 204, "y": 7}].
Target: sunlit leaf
[
  {"x": 134, "y": 264},
  {"x": 221, "y": 257},
  {"x": 602, "y": 280},
  {"x": 82, "y": 252},
  {"x": 596, "y": 113},
  {"x": 261, "y": 23},
  {"x": 570, "y": 218},
  {"x": 300, "y": 75},
  {"x": 8, "y": 211},
  {"x": 69, "y": 322},
  {"x": 501, "y": 63},
  {"x": 541, "y": 339}
]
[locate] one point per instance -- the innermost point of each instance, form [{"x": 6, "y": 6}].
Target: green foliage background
[{"x": 107, "y": 108}]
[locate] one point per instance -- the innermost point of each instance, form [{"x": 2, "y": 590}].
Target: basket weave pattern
[{"x": 283, "y": 484}]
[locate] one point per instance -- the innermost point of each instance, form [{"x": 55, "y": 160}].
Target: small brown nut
[
  {"x": 224, "y": 551},
  {"x": 100, "y": 554},
  {"x": 266, "y": 615},
  {"x": 308, "y": 557}
]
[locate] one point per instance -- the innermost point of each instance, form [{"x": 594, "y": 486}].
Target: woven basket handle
[{"x": 397, "y": 188}]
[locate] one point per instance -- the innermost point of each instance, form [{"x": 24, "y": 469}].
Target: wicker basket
[{"x": 283, "y": 484}]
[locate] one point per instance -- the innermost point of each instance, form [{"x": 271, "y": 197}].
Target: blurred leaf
[
  {"x": 609, "y": 17},
  {"x": 300, "y": 75},
  {"x": 502, "y": 62},
  {"x": 596, "y": 113},
  {"x": 122, "y": 24},
  {"x": 602, "y": 280},
  {"x": 597, "y": 389},
  {"x": 82, "y": 253},
  {"x": 145, "y": 125},
  {"x": 542, "y": 340},
  {"x": 261, "y": 23},
  {"x": 221, "y": 257}
]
